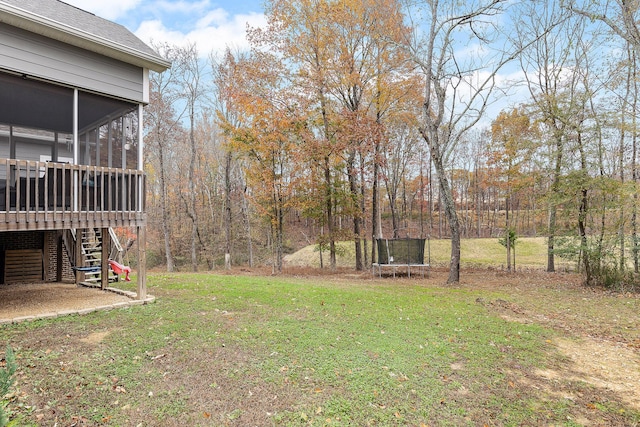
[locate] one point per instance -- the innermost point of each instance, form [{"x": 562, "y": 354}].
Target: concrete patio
[{"x": 25, "y": 302}]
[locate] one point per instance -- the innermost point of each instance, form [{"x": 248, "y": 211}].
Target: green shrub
[{"x": 6, "y": 381}]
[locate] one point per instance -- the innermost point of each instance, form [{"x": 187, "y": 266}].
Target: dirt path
[{"x": 600, "y": 348}]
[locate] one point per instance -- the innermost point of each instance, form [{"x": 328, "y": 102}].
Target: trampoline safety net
[{"x": 401, "y": 251}]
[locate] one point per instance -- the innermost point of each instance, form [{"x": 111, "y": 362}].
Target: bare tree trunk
[
  {"x": 391, "y": 194},
  {"x": 193, "y": 91},
  {"x": 247, "y": 222},
  {"x": 621, "y": 167},
  {"x": 555, "y": 186},
  {"x": 227, "y": 210},
  {"x": 634, "y": 173},
  {"x": 375, "y": 204},
  {"x": 166, "y": 230},
  {"x": 439, "y": 214},
  {"x": 508, "y": 235},
  {"x": 421, "y": 198},
  {"x": 450, "y": 212},
  {"x": 363, "y": 212},
  {"x": 321, "y": 248},
  {"x": 279, "y": 247},
  {"x": 278, "y": 239},
  {"x": 192, "y": 193},
  {"x": 353, "y": 187},
  {"x": 430, "y": 178},
  {"x": 583, "y": 211},
  {"x": 478, "y": 210},
  {"x": 329, "y": 212}
]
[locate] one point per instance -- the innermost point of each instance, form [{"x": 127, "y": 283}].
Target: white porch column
[
  {"x": 141, "y": 231},
  {"x": 140, "y": 158},
  {"x": 76, "y": 152},
  {"x": 140, "y": 139}
]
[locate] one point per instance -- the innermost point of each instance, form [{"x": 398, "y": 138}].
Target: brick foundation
[{"x": 47, "y": 241}]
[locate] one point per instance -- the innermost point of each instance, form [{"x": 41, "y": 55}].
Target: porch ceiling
[{"x": 35, "y": 104}]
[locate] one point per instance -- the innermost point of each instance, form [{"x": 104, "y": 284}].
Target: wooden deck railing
[{"x": 46, "y": 195}]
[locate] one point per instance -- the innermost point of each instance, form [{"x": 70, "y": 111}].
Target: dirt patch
[
  {"x": 605, "y": 365},
  {"x": 600, "y": 347},
  {"x": 95, "y": 337}
]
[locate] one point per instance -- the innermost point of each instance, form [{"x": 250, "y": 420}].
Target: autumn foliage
[{"x": 360, "y": 119}]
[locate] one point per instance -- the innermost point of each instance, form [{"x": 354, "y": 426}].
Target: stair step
[{"x": 92, "y": 254}]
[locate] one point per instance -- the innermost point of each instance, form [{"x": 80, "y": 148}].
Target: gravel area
[{"x": 21, "y": 301}]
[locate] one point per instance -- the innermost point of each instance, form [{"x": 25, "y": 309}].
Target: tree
[
  {"x": 512, "y": 148},
  {"x": 299, "y": 31},
  {"x": 544, "y": 64},
  {"x": 163, "y": 123},
  {"x": 621, "y": 16},
  {"x": 267, "y": 129},
  {"x": 355, "y": 79},
  {"x": 509, "y": 242},
  {"x": 224, "y": 76},
  {"x": 455, "y": 94},
  {"x": 192, "y": 89},
  {"x": 635, "y": 175},
  {"x": 343, "y": 63},
  {"x": 398, "y": 153}
]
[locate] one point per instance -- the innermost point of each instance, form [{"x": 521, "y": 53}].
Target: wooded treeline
[{"x": 358, "y": 119}]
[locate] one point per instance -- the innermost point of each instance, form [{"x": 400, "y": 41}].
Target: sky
[{"x": 211, "y": 25}]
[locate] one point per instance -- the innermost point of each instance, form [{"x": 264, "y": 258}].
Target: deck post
[
  {"x": 59, "y": 256},
  {"x": 142, "y": 262},
  {"x": 141, "y": 230},
  {"x": 78, "y": 255},
  {"x": 104, "y": 258}
]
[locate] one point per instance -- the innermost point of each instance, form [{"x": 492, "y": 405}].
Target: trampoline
[{"x": 400, "y": 253}]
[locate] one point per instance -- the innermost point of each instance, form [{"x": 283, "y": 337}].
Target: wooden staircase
[{"x": 92, "y": 253}]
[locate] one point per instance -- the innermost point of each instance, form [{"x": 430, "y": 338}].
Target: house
[{"x": 72, "y": 91}]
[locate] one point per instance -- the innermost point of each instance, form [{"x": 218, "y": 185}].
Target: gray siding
[{"x": 34, "y": 55}]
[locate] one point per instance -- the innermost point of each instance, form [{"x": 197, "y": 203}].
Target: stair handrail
[{"x": 116, "y": 251}]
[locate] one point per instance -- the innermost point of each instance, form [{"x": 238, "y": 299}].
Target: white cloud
[
  {"x": 214, "y": 17},
  {"x": 182, "y": 6},
  {"x": 112, "y": 9},
  {"x": 178, "y": 22},
  {"x": 211, "y": 33}
]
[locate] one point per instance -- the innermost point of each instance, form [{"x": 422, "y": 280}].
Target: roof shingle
[{"x": 76, "y": 20}]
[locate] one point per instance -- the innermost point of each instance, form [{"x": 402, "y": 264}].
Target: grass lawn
[
  {"x": 334, "y": 350},
  {"x": 531, "y": 252}
]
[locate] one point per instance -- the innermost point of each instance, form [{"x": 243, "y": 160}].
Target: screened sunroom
[{"x": 67, "y": 157}]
